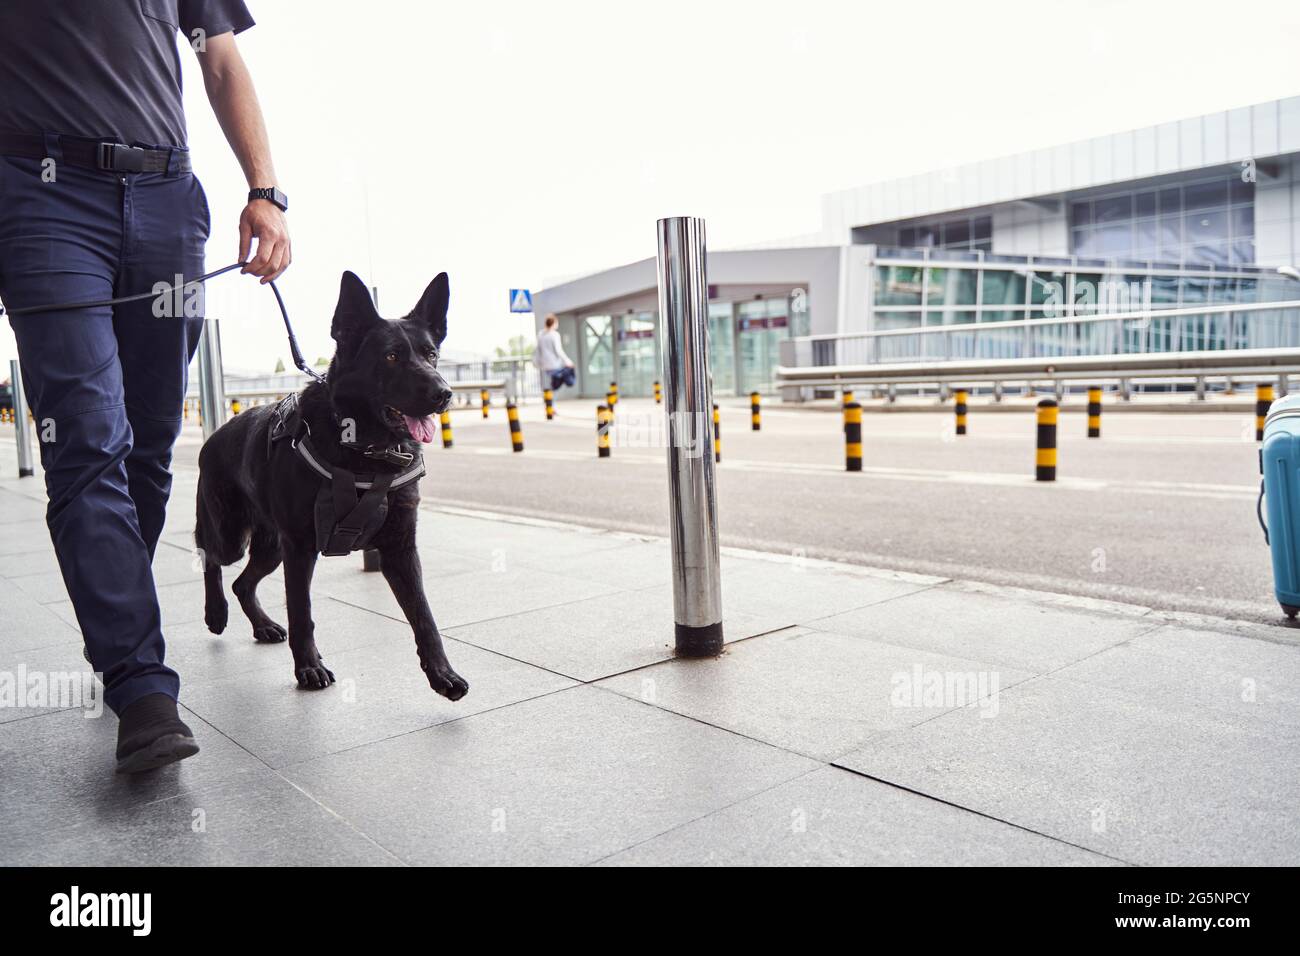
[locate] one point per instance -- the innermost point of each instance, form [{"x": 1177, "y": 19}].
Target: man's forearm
[{"x": 234, "y": 101}]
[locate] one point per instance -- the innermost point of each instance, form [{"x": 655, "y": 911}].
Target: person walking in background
[{"x": 556, "y": 366}]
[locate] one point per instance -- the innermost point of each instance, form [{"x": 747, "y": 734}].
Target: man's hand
[{"x": 262, "y": 220}]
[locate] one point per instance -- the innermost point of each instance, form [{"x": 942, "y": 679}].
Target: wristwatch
[{"x": 270, "y": 194}]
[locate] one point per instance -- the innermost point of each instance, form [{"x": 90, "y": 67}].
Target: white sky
[{"x": 512, "y": 142}]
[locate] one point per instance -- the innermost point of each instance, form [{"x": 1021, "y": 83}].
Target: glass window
[
  {"x": 897, "y": 320},
  {"x": 1084, "y": 293},
  {"x": 1171, "y": 200},
  {"x": 1048, "y": 289},
  {"x": 722, "y": 354},
  {"x": 1003, "y": 287},
  {"x": 982, "y": 228},
  {"x": 951, "y": 286},
  {"x": 907, "y": 237},
  {"x": 1113, "y": 208},
  {"x": 1242, "y": 219},
  {"x": 1240, "y": 192},
  {"x": 1080, "y": 213},
  {"x": 1114, "y": 239},
  {"x": 1205, "y": 195},
  {"x": 1145, "y": 242},
  {"x": 1145, "y": 204},
  {"x": 956, "y": 233},
  {"x": 1196, "y": 289},
  {"x": 1164, "y": 290},
  {"x": 898, "y": 285}
]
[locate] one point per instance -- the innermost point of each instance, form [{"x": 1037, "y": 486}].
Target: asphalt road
[{"x": 1159, "y": 512}]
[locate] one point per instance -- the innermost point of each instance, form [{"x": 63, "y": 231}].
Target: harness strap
[{"x": 350, "y": 515}]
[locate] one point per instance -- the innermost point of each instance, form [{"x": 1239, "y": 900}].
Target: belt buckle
[{"x": 120, "y": 158}]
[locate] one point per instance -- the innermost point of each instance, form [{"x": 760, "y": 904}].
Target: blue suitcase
[{"x": 1279, "y": 498}]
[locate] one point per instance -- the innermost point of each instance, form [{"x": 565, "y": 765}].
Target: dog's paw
[
  {"x": 269, "y": 633},
  {"x": 446, "y": 681},
  {"x": 216, "y": 617},
  {"x": 314, "y": 676}
]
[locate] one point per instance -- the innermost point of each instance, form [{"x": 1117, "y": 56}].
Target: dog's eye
[
  {"x": 431, "y": 355},
  {"x": 391, "y": 356}
]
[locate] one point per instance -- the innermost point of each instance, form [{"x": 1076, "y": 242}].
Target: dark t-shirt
[{"x": 107, "y": 69}]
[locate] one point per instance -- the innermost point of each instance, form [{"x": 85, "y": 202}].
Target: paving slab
[
  {"x": 58, "y": 771},
  {"x": 832, "y": 817},
  {"x": 1132, "y": 776},
  {"x": 991, "y": 627},
  {"x": 564, "y": 779},
  {"x": 816, "y": 693},
  {"x": 381, "y": 692},
  {"x": 1246, "y": 677},
  {"x": 26, "y": 623},
  {"x": 38, "y": 680},
  {"x": 466, "y": 597},
  {"x": 598, "y": 637},
  {"x": 258, "y": 820}
]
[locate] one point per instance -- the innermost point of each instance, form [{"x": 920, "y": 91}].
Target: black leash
[{"x": 298, "y": 360}]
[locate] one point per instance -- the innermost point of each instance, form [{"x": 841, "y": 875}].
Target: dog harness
[{"x": 350, "y": 508}]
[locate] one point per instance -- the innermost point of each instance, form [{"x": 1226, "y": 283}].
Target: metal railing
[{"x": 1263, "y": 325}]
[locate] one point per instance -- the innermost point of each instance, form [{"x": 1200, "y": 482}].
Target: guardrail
[{"x": 1145, "y": 331}]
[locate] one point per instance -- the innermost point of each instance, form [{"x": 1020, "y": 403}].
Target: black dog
[{"x": 258, "y": 491}]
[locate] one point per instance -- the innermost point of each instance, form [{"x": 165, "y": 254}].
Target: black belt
[{"x": 97, "y": 154}]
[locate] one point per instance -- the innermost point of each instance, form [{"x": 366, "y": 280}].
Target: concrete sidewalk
[{"x": 857, "y": 717}]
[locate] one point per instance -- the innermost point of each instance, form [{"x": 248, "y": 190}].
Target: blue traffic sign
[{"x": 521, "y": 300}]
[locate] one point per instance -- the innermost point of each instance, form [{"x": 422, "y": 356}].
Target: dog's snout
[{"x": 441, "y": 397}]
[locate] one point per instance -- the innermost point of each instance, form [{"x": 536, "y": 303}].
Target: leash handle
[{"x": 294, "y": 351}]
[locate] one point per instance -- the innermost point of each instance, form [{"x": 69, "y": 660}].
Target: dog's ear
[
  {"x": 432, "y": 307},
  {"x": 355, "y": 312}
]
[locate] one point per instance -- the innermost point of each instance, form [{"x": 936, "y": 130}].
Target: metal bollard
[
  {"x": 1094, "y": 412},
  {"x": 659, "y": 394},
  {"x": 1045, "y": 457},
  {"x": 604, "y": 418},
  {"x": 22, "y": 425},
  {"x": 516, "y": 435},
  {"x": 486, "y": 399},
  {"x": 445, "y": 420},
  {"x": 755, "y": 411},
  {"x": 717, "y": 435},
  {"x": 961, "y": 411},
  {"x": 852, "y": 437},
  {"x": 1263, "y": 399},
  {"x": 549, "y": 398},
  {"x": 692, "y": 489},
  {"x": 212, "y": 379}
]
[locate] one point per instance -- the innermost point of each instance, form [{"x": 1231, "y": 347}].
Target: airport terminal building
[{"x": 1192, "y": 213}]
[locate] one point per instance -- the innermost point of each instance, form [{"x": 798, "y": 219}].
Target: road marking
[{"x": 1178, "y": 489}]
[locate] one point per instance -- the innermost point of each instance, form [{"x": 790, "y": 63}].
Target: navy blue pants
[{"x": 106, "y": 386}]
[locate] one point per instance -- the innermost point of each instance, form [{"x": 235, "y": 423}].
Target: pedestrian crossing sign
[{"x": 521, "y": 300}]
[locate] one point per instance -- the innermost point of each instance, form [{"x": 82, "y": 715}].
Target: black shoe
[{"x": 151, "y": 734}]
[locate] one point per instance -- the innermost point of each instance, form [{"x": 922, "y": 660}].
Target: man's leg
[
  {"x": 166, "y": 231},
  {"x": 59, "y": 242}
]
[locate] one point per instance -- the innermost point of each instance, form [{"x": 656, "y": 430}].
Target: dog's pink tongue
[{"x": 421, "y": 429}]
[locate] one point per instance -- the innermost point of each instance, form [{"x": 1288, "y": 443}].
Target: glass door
[
  {"x": 761, "y": 324},
  {"x": 597, "y": 354},
  {"x": 638, "y": 354},
  {"x": 722, "y": 350}
]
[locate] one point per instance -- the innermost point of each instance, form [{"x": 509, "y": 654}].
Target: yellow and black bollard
[
  {"x": 1263, "y": 399},
  {"x": 1094, "y": 412},
  {"x": 610, "y": 401},
  {"x": 486, "y": 398},
  {"x": 717, "y": 434},
  {"x": 613, "y": 394},
  {"x": 235, "y": 407},
  {"x": 755, "y": 411},
  {"x": 1045, "y": 457},
  {"x": 961, "y": 411},
  {"x": 852, "y": 437},
  {"x": 549, "y": 398},
  {"x": 604, "y": 418},
  {"x": 445, "y": 419},
  {"x": 516, "y": 435},
  {"x": 659, "y": 394}
]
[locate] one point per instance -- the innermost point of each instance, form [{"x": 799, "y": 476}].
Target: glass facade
[
  {"x": 744, "y": 345},
  {"x": 1204, "y": 222},
  {"x": 962, "y": 232},
  {"x": 912, "y": 288}
]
